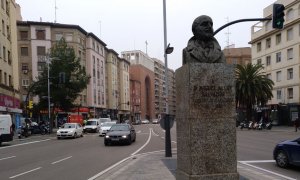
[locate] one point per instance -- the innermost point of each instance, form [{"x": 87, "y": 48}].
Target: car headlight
[
  {"x": 106, "y": 136},
  {"x": 124, "y": 136}
]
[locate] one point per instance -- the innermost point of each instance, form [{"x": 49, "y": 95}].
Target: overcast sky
[{"x": 126, "y": 24}]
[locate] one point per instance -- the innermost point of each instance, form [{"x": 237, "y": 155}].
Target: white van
[
  {"x": 6, "y": 131},
  {"x": 92, "y": 125}
]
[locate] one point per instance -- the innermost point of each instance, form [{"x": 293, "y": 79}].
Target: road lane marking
[
  {"x": 32, "y": 142},
  {"x": 139, "y": 131},
  {"x": 258, "y": 161},
  {"x": 154, "y": 133},
  {"x": 24, "y": 173},
  {"x": 61, "y": 160},
  {"x": 271, "y": 172},
  {"x": 149, "y": 138},
  {"x": 7, "y": 158}
]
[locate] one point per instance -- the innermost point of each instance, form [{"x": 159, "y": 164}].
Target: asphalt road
[{"x": 45, "y": 157}]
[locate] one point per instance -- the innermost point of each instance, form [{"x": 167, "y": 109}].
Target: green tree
[
  {"x": 252, "y": 87},
  {"x": 67, "y": 78}
]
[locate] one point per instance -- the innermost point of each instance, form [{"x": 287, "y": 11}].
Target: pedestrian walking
[{"x": 296, "y": 124}]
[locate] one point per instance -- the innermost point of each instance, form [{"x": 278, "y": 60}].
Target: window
[
  {"x": 24, "y": 51},
  {"x": 278, "y": 94},
  {"x": 8, "y": 32},
  {"x": 41, "y": 50},
  {"x": 290, "y": 53},
  {"x": 269, "y": 76},
  {"x": 259, "y": 61},
  {"x": 69, "y": 37},
  {"x": 290, "y": 73},
  {"x": 5, "y": 78},
  {"x": 258, "y": 47},
  {"x": 290, "y": 93},
  {"x": 24, "y": 35},
  {"x": 9, "y": 57},
  {"x": 4, "y": 53},
  {"x": 10, "y": 80},
  {"x": 290, "y": 14},
  {"x": 41, "y": 66},
  {"x": 40, "y": 34},
  {"x": 2, "y": 4},
  {"x": 278, "y": 38},
  {"x": 268, "y": 60},
  {"x": 25, "y": 82},
  {"x": 58, "y": 36},
  {"x": 3, "y": 28},
  {"x": 24, "y": 66},
  {"x": 278, "y": 76},
  {"x": 278, "y": 57},
  {"x": 268, "y": 43},
  {"x": 289, "y": 34},
  {"x": 1, "y": 77}
]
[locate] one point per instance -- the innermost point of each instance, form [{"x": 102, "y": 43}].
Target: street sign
[{"x": 162, "y": 123}]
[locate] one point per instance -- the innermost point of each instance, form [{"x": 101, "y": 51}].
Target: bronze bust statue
[{"x": 203, "y": 47}]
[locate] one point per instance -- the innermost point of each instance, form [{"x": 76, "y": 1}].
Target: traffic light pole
[{"x": 241, "y": 20}]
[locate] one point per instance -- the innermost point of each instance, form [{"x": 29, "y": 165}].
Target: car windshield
[
  {"x": 68, "y": 126},
  {"x": 91, "y": 123},
  {"x": 108, "y": 124},
  {"x": 119, "y": 128}
]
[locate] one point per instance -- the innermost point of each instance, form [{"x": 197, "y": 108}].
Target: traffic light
[
  {"x": 30, "y": 104},
  {"x": 278, "y": 16}
]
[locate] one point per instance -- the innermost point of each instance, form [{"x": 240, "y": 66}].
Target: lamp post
[
  {"x": 49, "y": 107},
  {"x": 167, "y": 50}
]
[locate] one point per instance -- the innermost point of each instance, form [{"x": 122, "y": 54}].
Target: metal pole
[
  {"x": 49, "y": 108},
  {"x": 168, "y": 152}
]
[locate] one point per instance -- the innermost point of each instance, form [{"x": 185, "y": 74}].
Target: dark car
[
  {"x": 287, "y": 153},
  {"x": 120, "y": 133}
]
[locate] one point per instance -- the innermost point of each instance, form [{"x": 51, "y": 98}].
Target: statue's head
[{"x": 203, "y": 28}]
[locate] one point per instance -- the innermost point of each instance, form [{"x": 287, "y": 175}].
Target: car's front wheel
[
  {"x": 75, "y": 135},
  {"x": 282, "y": 159}
]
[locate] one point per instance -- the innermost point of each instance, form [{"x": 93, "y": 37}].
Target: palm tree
[{"x": 252, "y": 87}]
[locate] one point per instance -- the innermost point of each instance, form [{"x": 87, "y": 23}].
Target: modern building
[
  {"x": 141, "y": 78},
  {"x": 9, "y": 72},
  {"x": 278, "y": 51},
  {"x": 240, "y": 56},
  {"x": 161, "y": 101},
  {"x": 118, "y": 86}
]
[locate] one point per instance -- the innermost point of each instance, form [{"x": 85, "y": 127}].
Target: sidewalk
[{"x": 150, "y": 166}]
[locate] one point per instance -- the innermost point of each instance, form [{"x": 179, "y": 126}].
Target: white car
[
  {"x": 145, "y": 121},
  {"x": 105, "y": 127},
  {"x": 72, "y": 130}
]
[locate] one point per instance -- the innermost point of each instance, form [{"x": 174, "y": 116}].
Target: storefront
[{"x": 10, "y": 105}]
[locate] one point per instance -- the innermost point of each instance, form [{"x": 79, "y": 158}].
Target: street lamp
[
  {"x": 49, "y": 107},
  {"x": 167, "y": 50}
]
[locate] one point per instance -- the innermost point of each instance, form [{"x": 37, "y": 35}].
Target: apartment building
[
  {"x": 34, "y": 42},
  {"x": 124, "y": 85},
  {"x": 278, "y": 51},
  {"x": 161, "y": 101},
  {"x": 95, "y": 66},
  {"x": 9, "y": 74},
  {"x": 240, "y": 56},
  {"x": 142, "y": 80}
]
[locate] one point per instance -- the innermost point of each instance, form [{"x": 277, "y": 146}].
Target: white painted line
[
  {"x": 61, "y": 160},
  {"x": 271, "y": 172},
  {"x": 32, "y": 142},
  {"x": 139, "y": 131},
  {"x": 24, "y": 173},
  {"x": 154, "y": 133},
  {"x": 7, "y": 158},
  {"x": 258, "y": 161},
  {"x": 149, "y": 138},
  {"x": 123, "y": 160}
]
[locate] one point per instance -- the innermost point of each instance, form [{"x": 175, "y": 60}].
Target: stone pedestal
[{"x": 206, "y": 133}]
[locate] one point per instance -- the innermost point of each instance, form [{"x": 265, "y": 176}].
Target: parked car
[
  {"x": 6, "y": 130},
  {"x": 287, "y": 153},
  {"x": 105, "y": 127},
  {"x": 120, "y": 133},
  {"x": 72, "y": 130},
  {"x": 155, "y": 121},
  {"x": 145, "y": 121},
  {"x": 92, "y": 125}
]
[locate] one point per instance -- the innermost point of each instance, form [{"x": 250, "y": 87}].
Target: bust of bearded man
[{"x": 203, "y": 47}]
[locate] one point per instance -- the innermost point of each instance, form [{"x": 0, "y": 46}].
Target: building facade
[
  {"x": 240, "y": 56},
  {"x": 278, "y": 51},
  {"x": 9, "y": 73}
]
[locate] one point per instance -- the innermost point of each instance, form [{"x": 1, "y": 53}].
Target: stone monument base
[{"x": 205, "y": 115}]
